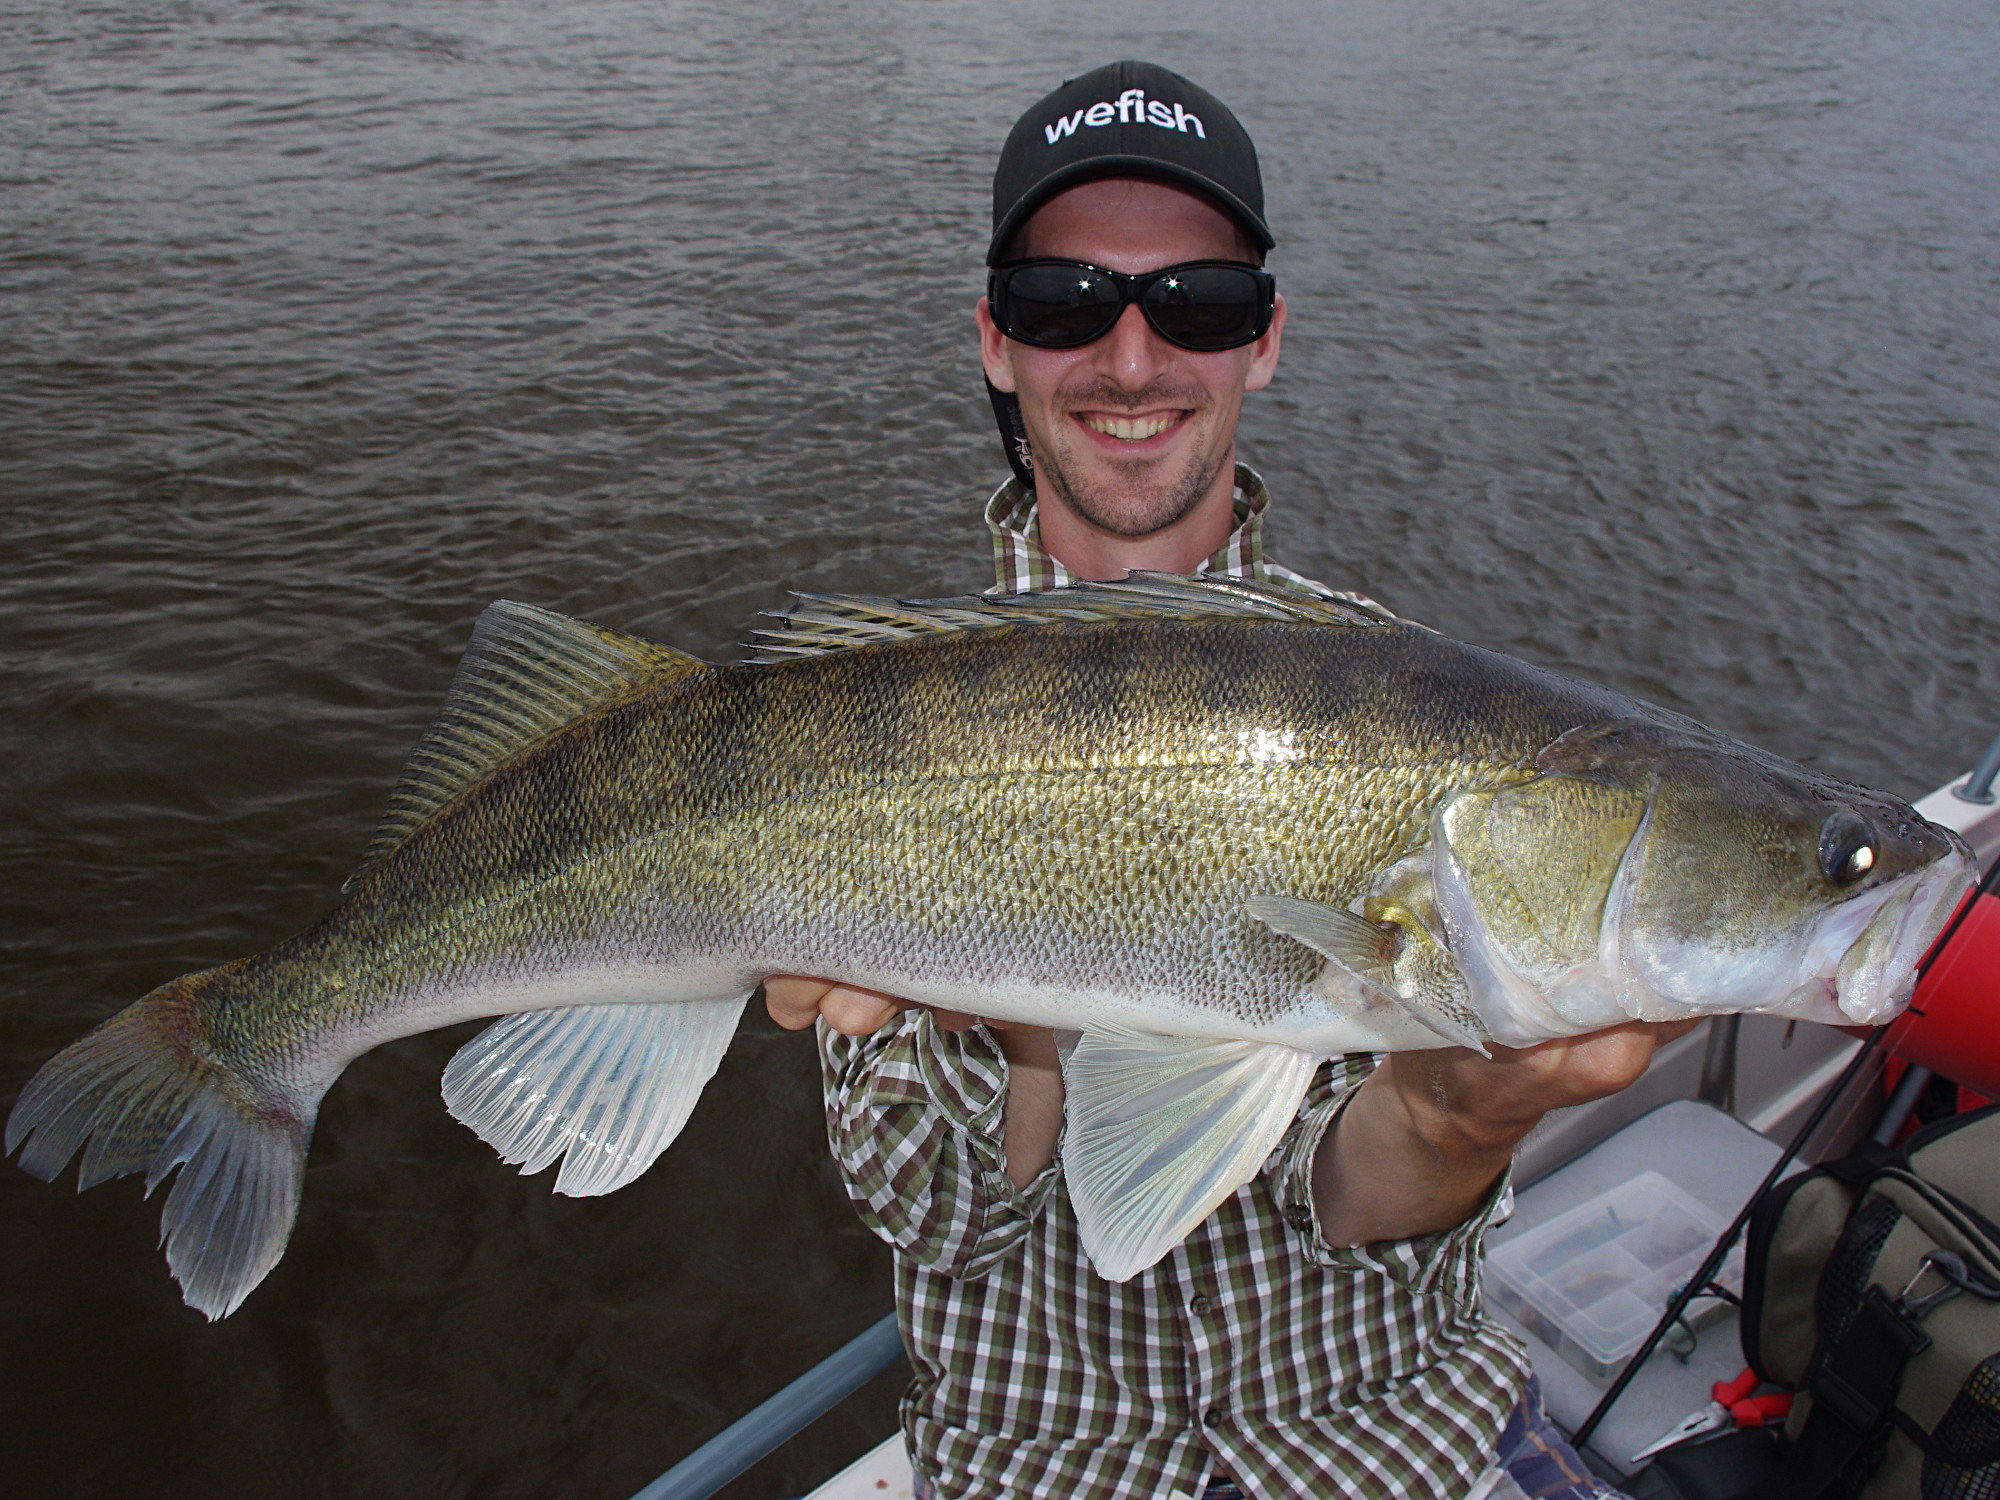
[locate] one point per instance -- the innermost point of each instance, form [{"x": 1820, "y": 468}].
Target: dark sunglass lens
[
  {"x": 1060, "y": 306},
  {"x": 1207, "y": 307}
]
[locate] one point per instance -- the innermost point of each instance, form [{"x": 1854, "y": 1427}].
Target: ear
[
  {"x": 995, "y": 350},
  {"x": 1264, "y": 353}
]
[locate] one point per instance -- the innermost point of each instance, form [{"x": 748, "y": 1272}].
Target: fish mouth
[{"x": 1876, "y": 974}]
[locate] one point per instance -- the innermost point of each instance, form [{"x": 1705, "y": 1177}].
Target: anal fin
[
  {"x": 1161, "y": 1129},
  {"x": 605, "y": 1087}
]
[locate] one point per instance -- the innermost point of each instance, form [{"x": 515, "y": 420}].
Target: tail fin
[{"x": 134, "y": 1095}]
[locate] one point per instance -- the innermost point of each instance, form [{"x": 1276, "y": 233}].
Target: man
[{"x": 1320, "y": 1333}]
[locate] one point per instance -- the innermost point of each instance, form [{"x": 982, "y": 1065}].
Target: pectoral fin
[
  {"x": 605, "y": 1087},
  {"x": 1358, "y": 945},
  {"x": 1368, "y": 951},
  {"x": 1161, "y": 1129}
]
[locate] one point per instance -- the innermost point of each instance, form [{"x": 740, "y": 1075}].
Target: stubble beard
[{"x": 1147, "y": 507}]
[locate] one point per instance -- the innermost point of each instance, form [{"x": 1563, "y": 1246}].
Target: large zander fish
[{"x": 1218, "y": 831}]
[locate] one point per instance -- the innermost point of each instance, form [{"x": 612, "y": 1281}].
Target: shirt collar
[{"x": 1022, "y": 566}]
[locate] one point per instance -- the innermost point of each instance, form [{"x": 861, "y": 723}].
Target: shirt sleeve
[
  {"x": 1446, "y": 1262},
  {"x": 914, "y": 1117}
]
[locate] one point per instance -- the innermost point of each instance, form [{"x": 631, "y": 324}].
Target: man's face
[{"x": 1130, "y": 431}]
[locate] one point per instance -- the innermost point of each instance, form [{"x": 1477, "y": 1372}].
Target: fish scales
[{"x": 1223, "y": 831}]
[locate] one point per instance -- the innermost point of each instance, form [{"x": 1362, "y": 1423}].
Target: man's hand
[
  {"x": 1429, "y": 1132},
  {"x": 796, "y": 1002},
  {"x": 1033, "y": 1115}
]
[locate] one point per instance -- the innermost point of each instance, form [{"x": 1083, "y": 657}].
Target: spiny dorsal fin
[
  {"x": 526, "y": 673},
  {"x": 820, "y": 623}
]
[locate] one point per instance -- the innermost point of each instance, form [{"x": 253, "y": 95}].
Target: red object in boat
[{"x": 1953, "y": 1024}]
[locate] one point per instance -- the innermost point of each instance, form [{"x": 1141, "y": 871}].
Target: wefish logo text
[{"x": 1133, "y": 107}]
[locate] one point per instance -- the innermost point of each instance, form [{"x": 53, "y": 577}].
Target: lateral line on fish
[{"x": 465, "y": 914}]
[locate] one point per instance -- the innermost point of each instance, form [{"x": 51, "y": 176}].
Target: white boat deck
[{"x": 882, "y": 1473}]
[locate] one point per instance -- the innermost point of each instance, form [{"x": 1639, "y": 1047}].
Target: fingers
[
  {"x": 1502, "y": 1098},
  {"x": 1602, "y": 1063},
  {"x": 1607, "y": 1062},
  {"x": 1582, "y": 1062},
  {"x": 856, "y": 1012},
  {"x": 795, "y": 1002}
]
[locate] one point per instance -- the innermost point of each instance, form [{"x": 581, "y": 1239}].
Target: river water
[{"x": 1657, "y": 343}]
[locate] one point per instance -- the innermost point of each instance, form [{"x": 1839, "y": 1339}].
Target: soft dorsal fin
[
  {"x": 526, "y": 673},
  {"x": 819, "y": 623}
]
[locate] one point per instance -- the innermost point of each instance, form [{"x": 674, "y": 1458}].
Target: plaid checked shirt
[{"x": 1301, "y": 1367}]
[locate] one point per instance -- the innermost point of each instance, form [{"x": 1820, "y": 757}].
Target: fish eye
[{"x": 1846, "y": 848}]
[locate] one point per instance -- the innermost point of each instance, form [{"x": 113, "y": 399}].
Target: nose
[{"x": 1131, "y": 354}]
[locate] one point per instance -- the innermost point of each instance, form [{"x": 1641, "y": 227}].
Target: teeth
[{"x": 1129, "y": 429}]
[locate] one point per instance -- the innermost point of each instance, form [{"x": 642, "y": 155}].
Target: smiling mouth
[{"x": 1130, "y": 429}]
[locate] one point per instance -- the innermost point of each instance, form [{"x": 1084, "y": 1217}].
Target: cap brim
[{"x": 1126, "y": 166}]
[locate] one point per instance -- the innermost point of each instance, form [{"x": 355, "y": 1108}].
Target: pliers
[{"x": 1732, "y": 1406}]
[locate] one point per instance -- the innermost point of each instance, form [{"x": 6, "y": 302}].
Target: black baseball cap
[{"x": 1127, "y": 119}]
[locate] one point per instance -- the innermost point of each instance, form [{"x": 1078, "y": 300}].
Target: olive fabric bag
[{"x": 1872, "y": 1286}]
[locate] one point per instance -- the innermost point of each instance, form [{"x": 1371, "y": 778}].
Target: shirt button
[
  {"x": 1300, "y": 1217},
  {"x": 1213, "y": 1417},
  {"x": 1199, "y": 1307}
]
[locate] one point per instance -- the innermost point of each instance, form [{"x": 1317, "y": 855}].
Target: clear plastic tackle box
[{"x": 1591, "y": 1282}]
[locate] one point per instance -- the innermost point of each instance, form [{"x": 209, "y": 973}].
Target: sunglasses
[{"x": 1204, "y": 305}]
